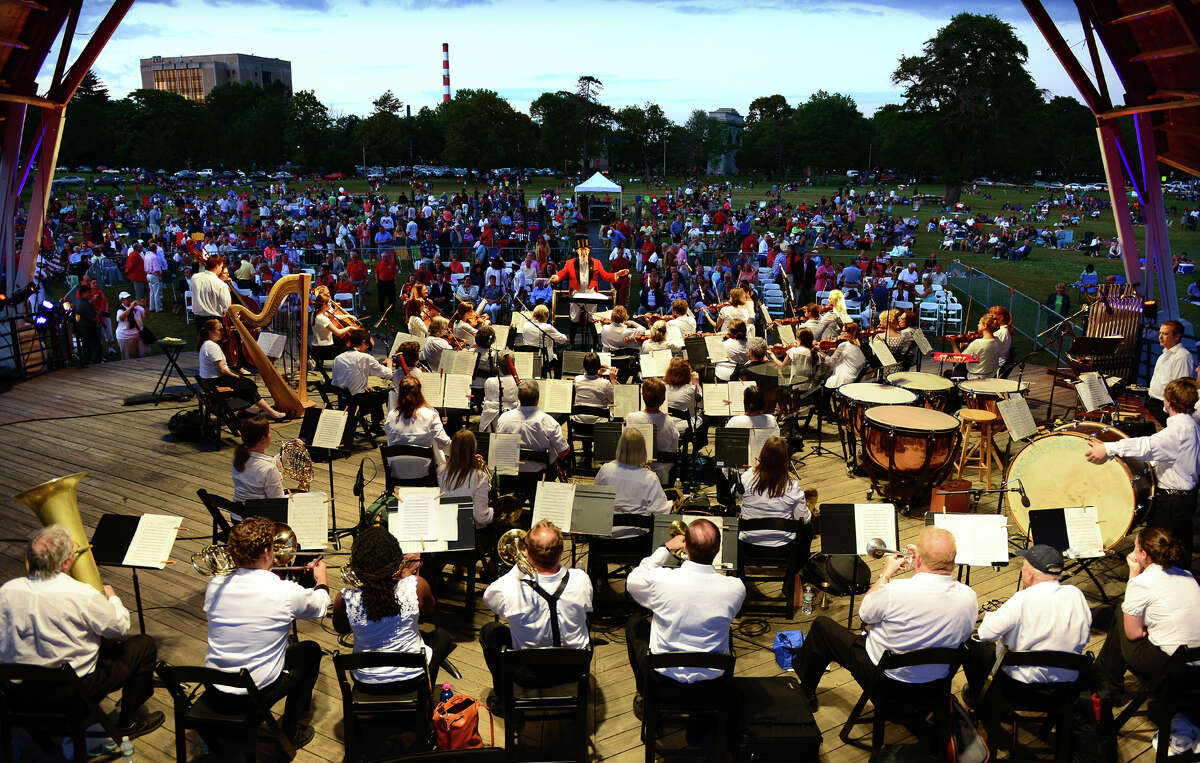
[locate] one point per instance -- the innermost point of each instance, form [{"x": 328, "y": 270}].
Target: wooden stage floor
[{"x": 73, "y": 420}]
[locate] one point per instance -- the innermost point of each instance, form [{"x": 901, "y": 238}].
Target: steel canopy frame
[{"x": 1144, "y": 98}]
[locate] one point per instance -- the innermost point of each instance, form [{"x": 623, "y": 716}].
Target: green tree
[
  {"x": 559, "y": 116},
  {"x": 306, "y": 132},
  {"x": 967, "y": 77},
  {"x": 830, "y": 133},
  {"x": 383, "y": 138},
  {"x": 767, "y": 136},
  {"x": 705, "y": 139},
  {"x": 388, "y": 102},
  {"x": 159, "y": 129},
  {"x": 483, "y": 131},
  {"x": 88, "y": 134},
  {"x": 640, "y": 131}
]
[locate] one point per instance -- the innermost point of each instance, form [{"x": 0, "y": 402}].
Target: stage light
[
  {"x": 39, "y": 320},
  {"x": 66, "y": 306},
  {"x": 47, "y": 304}
]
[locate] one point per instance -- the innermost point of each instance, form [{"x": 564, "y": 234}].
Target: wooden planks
[{"x": 74, "y": 420}]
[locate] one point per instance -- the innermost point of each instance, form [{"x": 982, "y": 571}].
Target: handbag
[
  {"x": 147, "y": 335},
  {"x": 456, "y": 723}
]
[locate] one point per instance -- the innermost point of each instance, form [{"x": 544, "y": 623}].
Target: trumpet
[
  {"x": 877, "y": 549},
  {"x": 678, "y": 527},
  {"x": 511, "y": 550}
]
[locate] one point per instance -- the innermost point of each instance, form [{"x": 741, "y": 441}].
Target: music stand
[
  {"x": 839, "y": 537},
  {"x": 1049, "y": 526},
  {"x": 274, "y": 509},
  {"x": 605, "y": 435},
  {"x": 308, "y": 429},
  {"x": 731, "y": 449},
  {"x": 572, "y": 362},
  {"x": 729, "y": 536},
  {"x": 110, "y": 543},
  {"x": 696, "y": 351}
]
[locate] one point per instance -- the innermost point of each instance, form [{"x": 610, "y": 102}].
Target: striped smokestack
[{"x": 445, "y": 72}]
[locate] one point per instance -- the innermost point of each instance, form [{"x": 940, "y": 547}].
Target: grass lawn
[{"x": 1035, "y": 276}]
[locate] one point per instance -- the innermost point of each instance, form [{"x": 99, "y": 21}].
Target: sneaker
[
  {"x": 303, "y": 736},
  {"x": 144, "y": 725}
]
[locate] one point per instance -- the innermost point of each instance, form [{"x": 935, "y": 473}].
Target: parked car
[
  {"x": 334, "y": 176},
  {"x": 69, "y": 180},
  {"x": 280, "y": 176}
]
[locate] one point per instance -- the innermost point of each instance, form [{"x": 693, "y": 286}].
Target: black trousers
[
  {"x": 493, "y": 637},
  {"x": 90, "y": 346},
  {"x": 301, "y": 667},
  {"x": 244, "y": 388},
  {"x": 826, "y": 642},
  {"x": 1118, "y": 653},
  {"x": 1175, "y": 512},
  {"x": 387, "y": 296},
  {"x": 709, "y": 693},
  {"x": 1156, "y": 410},
  {"x": 981, "y": 656},
  {"x": 126, "y": 665}
]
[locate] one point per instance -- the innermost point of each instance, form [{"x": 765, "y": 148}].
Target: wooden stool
[{"x": 981, "y": 453}]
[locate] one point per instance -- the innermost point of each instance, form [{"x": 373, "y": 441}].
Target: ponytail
[{"x": 254, "y": 430}]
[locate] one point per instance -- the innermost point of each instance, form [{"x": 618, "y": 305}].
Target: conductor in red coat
[{"x": 583, "y": 273}]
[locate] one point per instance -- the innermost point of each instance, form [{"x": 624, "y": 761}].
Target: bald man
[{"x": 926, "y": 611}]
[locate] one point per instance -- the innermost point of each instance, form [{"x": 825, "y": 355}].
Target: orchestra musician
[
  {"x": 50, "y": 618},
  {"x": 802, "y": 358},
  {"x": 539, "y": 432},
  {"x": 436, "y": 344},
  {"x": 414, "y": 311},
  {"x": 465, "y": 475},
  {"x": 834, "y": 318},
  {"x": 467, "y": 323},
  {"x": 684, "y": 396},
  {"x": 255, "y": 474},
  {"x": 593, "y": 390},
  {"x": 740, "y": 306},
  {"x": 215, "y": 372},
  {"x": 768, "y": 491},
  {"x": 407, "y": 362},
  {"x": 250, "y": 614},
  {"x": 658, "y": 338},
  {"x": 666, "y": 434},
  {"x": 897, "y": 332},
  {"x": 1174, "y": 362},
  {"x": 812, "y": 320},
  {"x": 383, "y": 613},
  {"x": 548, "y": 610},
  {"x": 639, "y": 491},
  {"x": 682, "y": 320},
  {"x": 847, "y": 360},
  {"x": 499, "y": 395},
  {"x": 985, "y": 347},
  {"x": 328, "y": 337},
  {"x": 1003, "y": 332},
  {"x": 414, "y": 422},
  {"x": 583, "y": 273},
  {"x": 678, "y": 624},
  {"x": 735, "y": 347},
  {"x": 620, "y": 334},
  {"x": 352, "y": 371}
]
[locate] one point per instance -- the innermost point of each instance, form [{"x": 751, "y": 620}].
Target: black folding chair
[
  {"x": 361, "y": 706},
  {"x": 567, "y": 700},
  {"x": 49, "y": 701}
]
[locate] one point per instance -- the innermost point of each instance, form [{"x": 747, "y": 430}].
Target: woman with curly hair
[{"x": 384, "y": 610}]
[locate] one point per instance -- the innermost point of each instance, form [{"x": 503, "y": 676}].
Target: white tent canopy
[{"x": 597, "y": 184}]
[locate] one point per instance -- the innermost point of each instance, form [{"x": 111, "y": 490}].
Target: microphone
[
  {"x": 358, "y": 481},
  {"x": 1024, "y": 495}
]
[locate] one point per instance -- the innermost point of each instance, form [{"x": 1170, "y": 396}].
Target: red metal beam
[
  {"x": 63, "y": 91},
  {"x": 1045, "y": 24}
]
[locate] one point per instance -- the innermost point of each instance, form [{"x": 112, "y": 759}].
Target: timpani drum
[
  {"x": 856, "y": 397},
  {"x": 908, "y": 439},
  {"x": 984, "y": 393},
  {"x": 1055, "y": 474},
  {"x": 936, "y": 392}
]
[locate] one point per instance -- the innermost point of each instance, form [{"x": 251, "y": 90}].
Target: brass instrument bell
[
  {"x": 877, "y": 549},
  {"x": 678, "y": 527},
  {"x": 511, "y": 550}
]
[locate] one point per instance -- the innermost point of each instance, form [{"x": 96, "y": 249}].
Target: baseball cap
[
  {"x": 124, "y": 295},
  {"x": 1044, "y": 558}
]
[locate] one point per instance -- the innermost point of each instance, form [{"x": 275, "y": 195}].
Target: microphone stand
[{"x": 977, "y": 492}]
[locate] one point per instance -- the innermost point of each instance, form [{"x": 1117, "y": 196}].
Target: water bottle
[
  {"x": 810, "y": 593},
  {"x": 126, "y": 750},
  {"x": 447, "y": 692}
]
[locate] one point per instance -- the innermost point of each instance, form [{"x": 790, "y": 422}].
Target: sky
[{"x": 682, "y": 54}]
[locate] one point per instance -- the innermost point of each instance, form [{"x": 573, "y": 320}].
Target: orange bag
[{"x": 456, "y": 723}]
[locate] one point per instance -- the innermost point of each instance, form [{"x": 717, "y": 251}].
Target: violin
[
  {"x": 829, "y": 345},
  {"x": 653, "y": 317},
  {"x": 786, "y": 321},
  {"x": 781, "y": 350},
  {"x": 970, "y": 336}
]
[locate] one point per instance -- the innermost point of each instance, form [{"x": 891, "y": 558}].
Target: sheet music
[
  {"x": 331, "y": 425},
  {"x": 922, "y": 342},
  {"x": 716, "y": 399},
  {"x": 981, "y": 539},
  {"x": 556, "y": 395},
  {"x": 716, "y": 349},
  {"x": 523, "y": 362},
  {"x": 554, "y": 501},
  {"x": 518, "y": 321},
  {"x": 787, "y": 335},
  {"x": 1083, "y": 531},
  {"x": 459, "y": 362},
  {"x": 654, "y": 363},
  {"x": 1018, "y": 420},
  {"x": 504, "y": 452},
  {"x": 433, "y": 388},
  {"x": 1092, "y": 391},
  {"x": 758, "y": 437},
  {"x": 152, "y": 541},
  {"x": 457, "y": 392},
  {"x": 308, "y": 516},
  {"x": 400, "y": 339},
  {"x": 647, "y": 430},
  {"x": 737, "y": 397},
  {"x": 627, "y": 398},
  {"x": 882, "y": 352},
  {"x": 501, "y": 336},
  {"x": 272, "y": 344},
  {"x": 605, "y": 359},
  {"x": 415, "y": 518},
  {"x": 875, "y": 520}
]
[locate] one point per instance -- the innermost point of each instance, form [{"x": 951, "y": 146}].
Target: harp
[
  {"x": 1114, "y": 314},
  {"x": 287, "y": 398}
]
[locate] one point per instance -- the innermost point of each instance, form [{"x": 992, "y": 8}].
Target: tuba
[
  {"x": 511, "y": 550},
  {"x": 55, "y": 503}
]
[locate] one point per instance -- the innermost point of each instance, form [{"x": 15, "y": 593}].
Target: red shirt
[
  {"x": 135, "y": 267},
  {"x": 356, "y": 269},
  {"x": 385, "y": 269}
]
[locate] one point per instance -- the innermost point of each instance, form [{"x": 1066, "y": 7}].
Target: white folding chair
[
  {"x": 187, "y": 307},
  {"x": 929, "y": 316},
  {"x": 951, "y": 315}
]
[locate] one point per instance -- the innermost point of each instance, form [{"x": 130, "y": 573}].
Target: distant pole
[{"x": 445, "y": 72}]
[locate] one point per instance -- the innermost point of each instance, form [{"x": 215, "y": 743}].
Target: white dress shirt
[
  {"x": 210, "y": 295},
  {"x": 1004, "y": 338},
  {"x": 638, "y": 492},
  {"x": 474, "y": 486},
  {"x": 1172, "y": 364},
  {"x": 528, "y": 614},
  {"x": 1167, "y": 601},
  {"x": 424, "y": 429},
  {"x": 685, "y": 323},
  {"x": 353, "y": 369},
  {"x": 538, "y": 430},
  {"x": 431, "y": 353},
  {"x": 666, "y": 439},
  {"x": 692, "y": 607},
  {"x": 49, "y": 621},
  {"x": 258, "y": 479},
  {"x": 1047, "y": 616},
  {"x": 685, "y": 397},
  {"x": 250, "y": 614},
  {"x": 618, "y": 336},
  {"x": 756, "y": 505},
  {"x": 1174, "y": 450},
  {"x": 322, "y": 333},
  {"x": 594, "y": 391},
  {"x": 417, "y": 327},
  {"x": 745, "y": 312},
  {"x": 757, "y": 421},
  {"x": 926, "y": 611},
  {"x": 847, "y": 362},
  {"x": 493, "y": 406},
  {"x": 398, "y": 633},
  {"x": 546, "y": 337},
  {"x": 739, "y": 354}
]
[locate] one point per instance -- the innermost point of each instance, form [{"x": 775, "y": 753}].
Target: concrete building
[
  {"x": 725, "y": 164},
  {"x": 194, "y": 77}
]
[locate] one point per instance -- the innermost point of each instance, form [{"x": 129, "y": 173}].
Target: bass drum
[
  {"x": 936, "y": 392},
  {"x": 1055, "y": 474},
  {"x": 1094, "y": 429}
]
